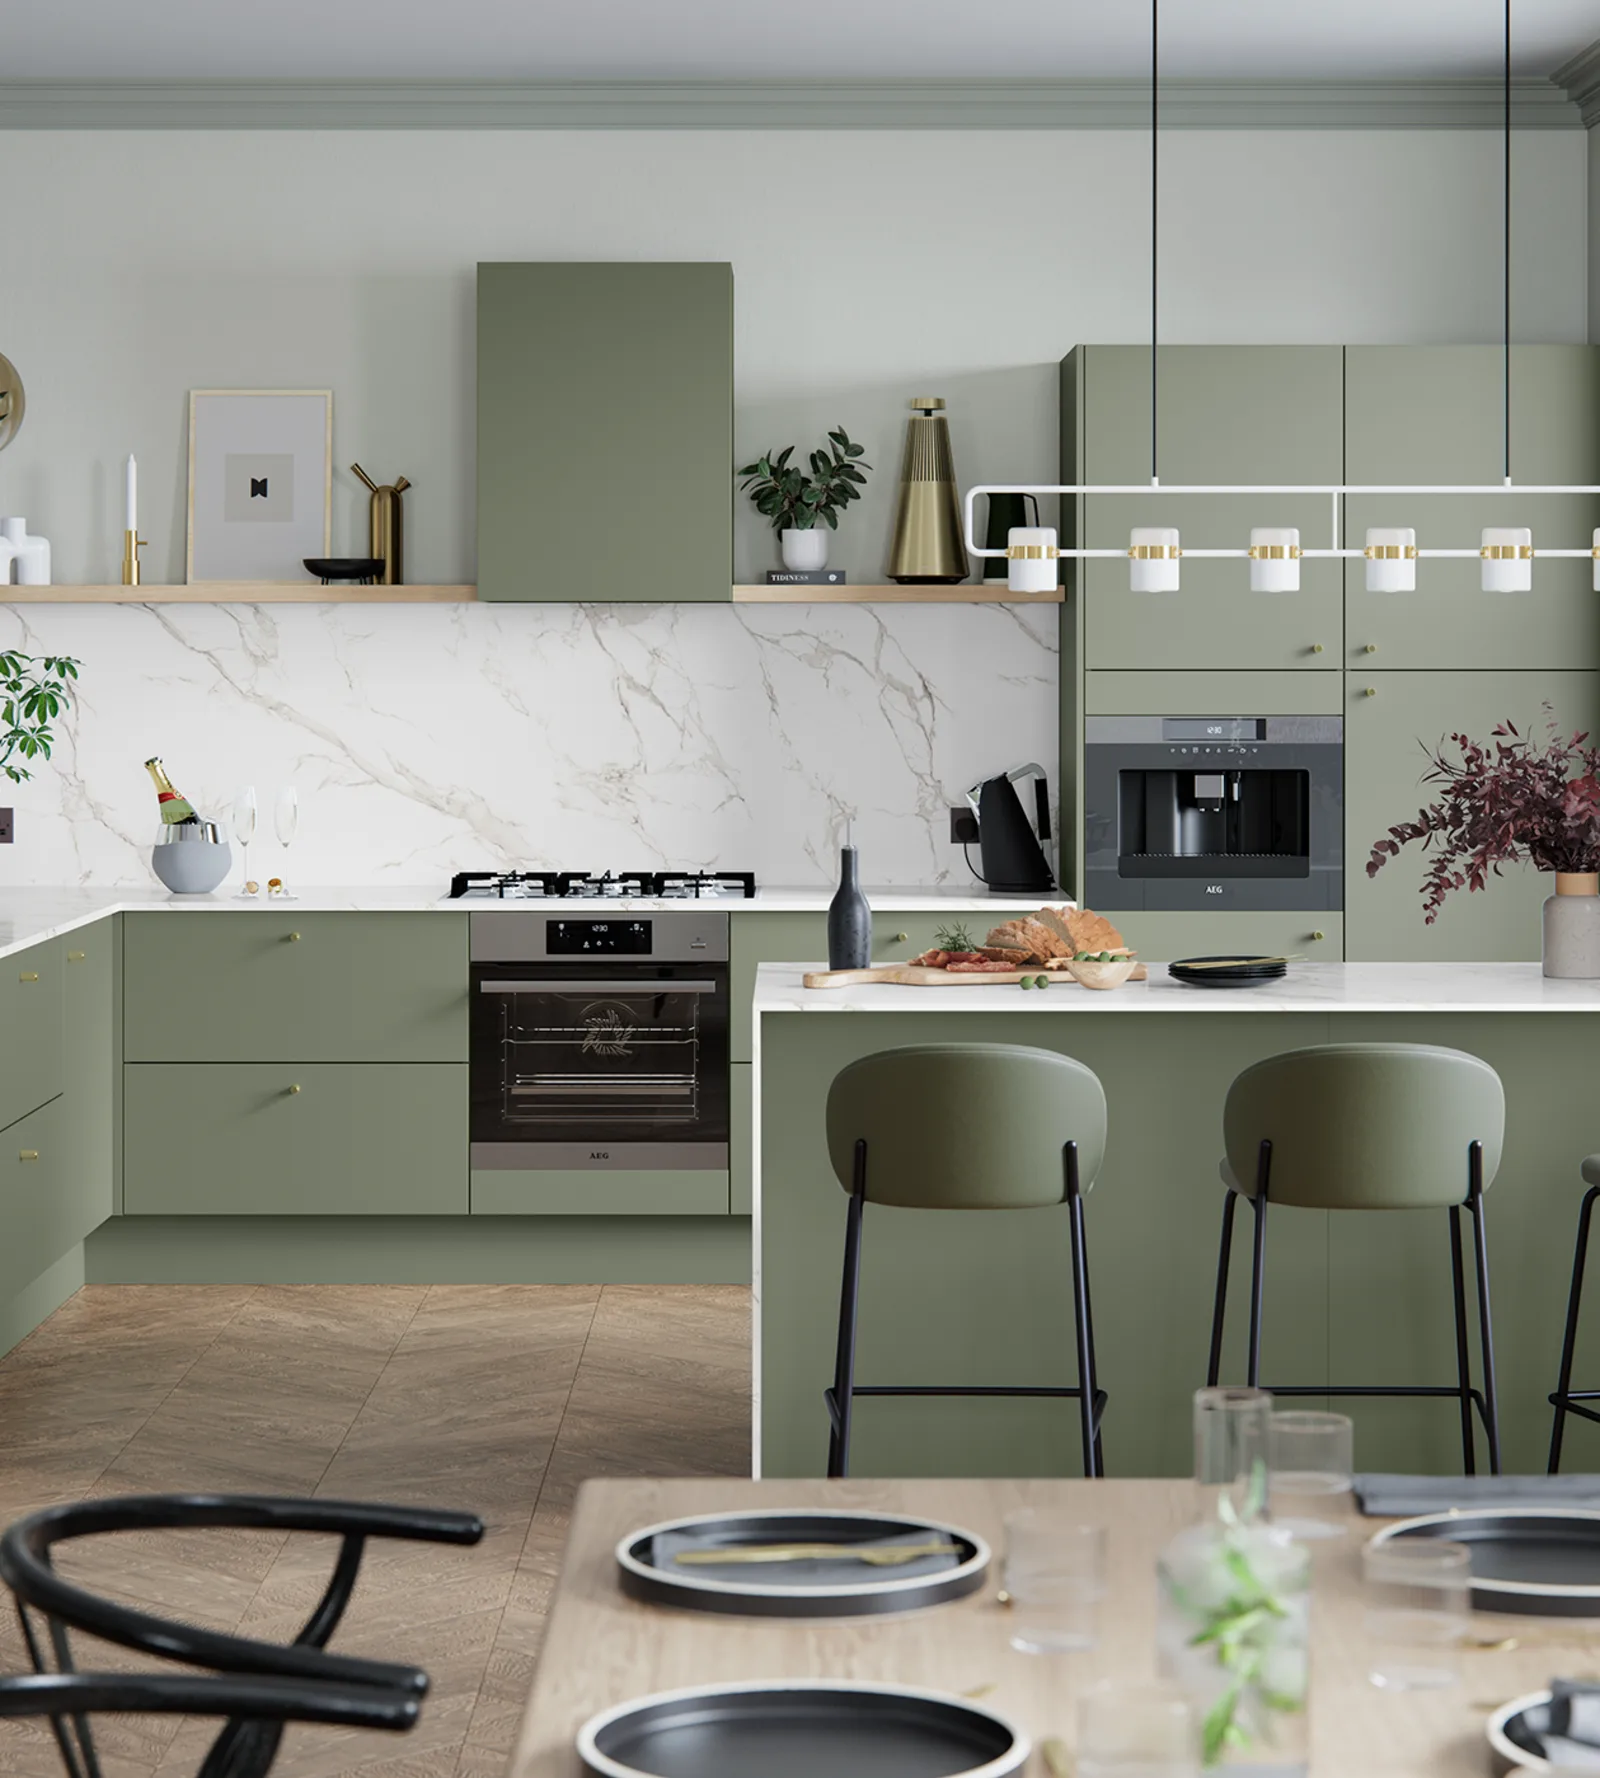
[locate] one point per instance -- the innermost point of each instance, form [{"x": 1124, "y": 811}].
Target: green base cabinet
[
  {"x": 583, "y": 368},
  {"x": 42, "y": 1221},
  {"x": 741, "y": 1134},
  {"x": 90, "y": 1146},
  {"x": 318, "y": 1139},
  {"x": 538, "y": 1191},
  {"x": 32, "y": 1068}
]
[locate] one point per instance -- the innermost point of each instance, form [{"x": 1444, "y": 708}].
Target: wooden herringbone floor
[{"x": 500, "y": 1399}]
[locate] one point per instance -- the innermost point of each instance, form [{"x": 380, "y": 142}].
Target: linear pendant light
[{"x": 1505, "y": 553}]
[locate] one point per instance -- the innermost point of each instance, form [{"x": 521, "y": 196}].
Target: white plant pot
[{"x": 804, "y": 551}]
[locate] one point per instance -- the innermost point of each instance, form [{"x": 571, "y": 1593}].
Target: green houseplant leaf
[{"x": 791, "y": 498}]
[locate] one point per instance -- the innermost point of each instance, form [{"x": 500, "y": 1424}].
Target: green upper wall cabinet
[
  {"x": 1429, "y": 415},
  {"x": 1386, "y": 734},
  {"x": 605, "y": 432},
  {"x": 1246, "y": 414}
]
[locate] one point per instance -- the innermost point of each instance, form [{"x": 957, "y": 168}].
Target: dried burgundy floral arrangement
[{"x": 1519, "y": 802}]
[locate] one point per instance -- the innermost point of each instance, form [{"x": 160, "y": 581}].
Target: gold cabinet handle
[
  {"x": 1372, "y": 691},
  {"x": 295, "y": 1088},
  {"x": 27, "y": 1154},
  {"x": 1317, "y": 935},
  {"x": 29, "y": 975},
  {"x": 294, "y": 938},
  {"x": 76, "y": 956},
  {"x": 901, "y": 937},
  {"x": 1316, "y": 648},
  {"x": 1371, "y": 648}
]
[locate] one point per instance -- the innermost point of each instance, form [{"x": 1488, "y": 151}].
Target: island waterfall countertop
[
  {"x": 29, "y": 916},
  {"x": 1308, "y": 987}
]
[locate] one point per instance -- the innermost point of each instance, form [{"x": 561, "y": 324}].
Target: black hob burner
[{"x": 582, "y": 885}]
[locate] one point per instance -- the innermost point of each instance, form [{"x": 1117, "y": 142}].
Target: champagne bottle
[{"x": 176, "y": 810}]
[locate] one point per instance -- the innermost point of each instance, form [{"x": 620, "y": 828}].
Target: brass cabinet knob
[
  {"x": 901, "y": 937},
  {"x": 27, "y": 1154},
  {"x": 29, "y": 975},
  {"x": 76, "y": 956},
  {"x": 1317, "y": 935},
  {"x": 1316, "y": 648},
  {"x": 295, "y": 1088},
  {"x": 1372, "y": 691},
  {"x": 294, "y": 938},
  {"x": 1371, "y": 648}
]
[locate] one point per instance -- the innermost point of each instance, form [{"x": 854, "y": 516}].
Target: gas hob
[{"x": 580, "y": 885}]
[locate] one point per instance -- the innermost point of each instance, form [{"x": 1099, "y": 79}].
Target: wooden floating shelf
[{"x": 302, "y": 592}]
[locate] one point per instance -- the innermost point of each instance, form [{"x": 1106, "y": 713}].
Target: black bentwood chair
[
  {"x": 68, "y": 1699},
  {"x": 247, "y": 1745}
]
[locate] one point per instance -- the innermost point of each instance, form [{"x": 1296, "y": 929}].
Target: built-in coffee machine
[{"x": 1189, "y": 812}]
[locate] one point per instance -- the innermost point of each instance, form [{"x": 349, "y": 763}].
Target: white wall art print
[{"x": 260, "y": 482}]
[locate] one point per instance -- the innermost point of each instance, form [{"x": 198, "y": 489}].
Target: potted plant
[
  {"x": 799, "y": 504},
  {"x": 34, "y": 690},
  {"x": 1515, "y": 801}
]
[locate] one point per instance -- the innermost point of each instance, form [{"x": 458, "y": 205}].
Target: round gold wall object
[{"x": 13, "y": 402}]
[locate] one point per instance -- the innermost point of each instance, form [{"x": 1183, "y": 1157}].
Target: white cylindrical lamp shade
[
  {"x": 1391, "y": 559},
  {"x": 1153, "y": 554},
  {"x": 1274, "y": 560},
  {"x": 1031, "y": 559},
  {"x": 1597, "y": 561},
  {"x": 1507, "y": 555}
]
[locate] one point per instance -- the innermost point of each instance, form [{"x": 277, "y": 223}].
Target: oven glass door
[{"x": 600, "y": 1052}]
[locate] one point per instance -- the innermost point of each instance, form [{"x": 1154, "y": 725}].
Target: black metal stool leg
[
  {"x": 1220, "y": 1306},
  {"x": 1569, "y": 1341},
  {"x": 1469, "y": 1456},
  {"x": 1480, "y": 1241},
  {"x": 1094, "y": 1365},
  {"x": 1258, "y": 1262},
  {"x": 841, "y": 1396},
  {"x": 1080, "y": 1312}
]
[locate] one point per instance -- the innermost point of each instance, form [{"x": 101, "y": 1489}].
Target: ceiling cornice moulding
[
  {"x": 1581, "y": 80},
  {"x": 784, "y": 105}
]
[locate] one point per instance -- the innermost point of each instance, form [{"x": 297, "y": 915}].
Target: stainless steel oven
[{"x": 599, "y": 1040}]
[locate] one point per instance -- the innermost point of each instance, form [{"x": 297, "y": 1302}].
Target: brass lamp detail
[
  {"x": 387, "y": 526},
  {"x": 927, "y": 547}
]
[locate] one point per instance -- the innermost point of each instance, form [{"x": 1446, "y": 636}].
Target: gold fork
[{"x": 888, "y": 1557}]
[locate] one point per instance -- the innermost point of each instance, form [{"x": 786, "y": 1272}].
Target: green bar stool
[
  {"x": 1368, "y": 1126},
  {"x": 965, "y": 1126},
  {"x": 1566, "y": 1399}
]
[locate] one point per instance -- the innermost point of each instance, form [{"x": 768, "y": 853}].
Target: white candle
[{"x": 133, "y": 495}]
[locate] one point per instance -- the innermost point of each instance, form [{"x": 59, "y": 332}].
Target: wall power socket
[
  {"x": 963, "y": 827},
  {"x": 6, "y": 834}
]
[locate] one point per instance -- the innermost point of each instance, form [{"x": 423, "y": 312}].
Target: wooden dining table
[{"x": 602, "y": 1648}]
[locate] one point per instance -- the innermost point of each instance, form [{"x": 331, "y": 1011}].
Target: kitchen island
[{"x": 973, "y": 1299}]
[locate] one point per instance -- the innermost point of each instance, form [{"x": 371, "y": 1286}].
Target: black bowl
[{"x": 328, "y": 568}]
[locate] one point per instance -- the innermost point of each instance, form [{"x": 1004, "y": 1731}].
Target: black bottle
[{"x": 849, "y": 919}]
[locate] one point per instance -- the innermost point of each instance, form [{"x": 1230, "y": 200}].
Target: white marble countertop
[
  {"x": 29, "y": 916},
  {"x": 1308, "y": 987}
]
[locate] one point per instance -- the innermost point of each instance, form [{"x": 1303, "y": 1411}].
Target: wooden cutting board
[{"x": 912, "y": 975}]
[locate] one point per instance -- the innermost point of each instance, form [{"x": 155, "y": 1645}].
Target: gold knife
[{"x": 888, "y": 1556}]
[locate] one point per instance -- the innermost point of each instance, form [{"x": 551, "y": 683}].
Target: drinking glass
[
  {"x": 1418, "y": 1596},
  {"x": 244, "y": 831},
  {"x": 1055, "y": 1577},
  {"x": 1137, "y": 1731},
  {"x": 1309, "y": 1472},
  {"x": 286, "y": 818}
]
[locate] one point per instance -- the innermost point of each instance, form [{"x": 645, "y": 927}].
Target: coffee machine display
[
  {"x": 1011, "y": 845},
  {"x": 1185, "y": 812}
]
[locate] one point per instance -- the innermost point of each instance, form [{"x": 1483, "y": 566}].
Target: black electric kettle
[{"x": 1010, "y": 846}]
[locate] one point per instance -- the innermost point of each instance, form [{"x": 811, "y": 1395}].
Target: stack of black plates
[{"x": 1227, "y": 972}]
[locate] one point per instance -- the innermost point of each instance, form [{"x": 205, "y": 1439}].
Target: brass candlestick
[
  {"x": 387, "y": 528},
  {"x": 131, "y": 545}
]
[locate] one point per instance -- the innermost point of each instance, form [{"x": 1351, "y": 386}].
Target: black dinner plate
[
  {"x": 1227, "y": 971},
  {"x": 1542, "y": 1561}
]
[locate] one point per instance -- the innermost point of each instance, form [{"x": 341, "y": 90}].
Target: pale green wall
[{"x": 1594, "y": 236}]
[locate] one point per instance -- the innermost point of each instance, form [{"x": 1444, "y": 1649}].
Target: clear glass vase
[{"x": 1234, "y": 1616}]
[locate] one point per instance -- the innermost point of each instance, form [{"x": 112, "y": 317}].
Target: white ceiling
[{"x": 542, "y": 40}]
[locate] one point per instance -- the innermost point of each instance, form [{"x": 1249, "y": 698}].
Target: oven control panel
[{"x": 597, "y": 938}]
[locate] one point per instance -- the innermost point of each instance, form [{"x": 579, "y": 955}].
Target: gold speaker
[{"x": 927, "y": 545}]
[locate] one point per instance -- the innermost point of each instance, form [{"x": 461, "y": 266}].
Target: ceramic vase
[
  {"x": 1572, "y": 927},
  {"x": 31, "y": 554},
  {"x": 804, "y": 551},
  {"x": 849, "y": 918}
]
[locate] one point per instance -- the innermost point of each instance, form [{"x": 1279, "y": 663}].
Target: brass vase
[
  {"x": 927, "y": 545},
  {"x": 387, "y": 526}
]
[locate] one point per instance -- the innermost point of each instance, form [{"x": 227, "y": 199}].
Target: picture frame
[{"x": 260, "y": 497}]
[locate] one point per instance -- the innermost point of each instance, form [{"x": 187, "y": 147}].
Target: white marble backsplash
[{"x": 424, "y": 739}]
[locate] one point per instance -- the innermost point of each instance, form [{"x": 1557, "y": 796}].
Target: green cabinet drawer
[
  {"x": 700, "y": 1191},
  {"x": 585, "y": 367},
  {"x": 741, "y": 1146},
  {"x": 1230, "y": 415},
  {"x": 1386, "y": 735},
  {"x": 263, "y": 1139},
  {"x": 1431, "y": 415},
  {"x": 1160, "y": 937},
  {"x": 89, "y": 1144},
  {"x": 1213, "y": 694},
  {"x": 265, "y": 985},
  {"x": 42, "y": 1217},
  {"x": 30, "y": 1030}
]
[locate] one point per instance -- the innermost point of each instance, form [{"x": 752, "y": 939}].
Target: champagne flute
[
  {"x": 286, "y": 818},
  {"x": 244, "y": 831}
]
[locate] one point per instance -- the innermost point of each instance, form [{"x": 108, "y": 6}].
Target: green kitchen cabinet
[
  {"x": 1160, "y": 937},
  {"x": 1391, "y": 721},
  {"x": 32, "y": 1070},
  {"x": 42, "y": 1222},
  {"x": 1432, "y": 415},
  {"x": 741, "y": 1132},
  {"x": 605, "y": 432},
  {"x": 264, "y": 985},
  {"x": 317, "y": 1139},
  {"x": 600, "y": 1191},
  {"x": 1213, "y": 693},
  {"x": 89, "y": 1146},
  {"x": 1255, "y": 415}
]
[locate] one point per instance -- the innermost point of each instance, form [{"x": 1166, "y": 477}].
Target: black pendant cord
[
  {"x": 1506, "y": 374},
  {"x": 1155, "y": 120}
]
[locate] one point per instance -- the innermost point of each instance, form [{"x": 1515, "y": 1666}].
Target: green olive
[
  {"x": 1042, "y": 981},
  {"x": 1027, "y": 981}
]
